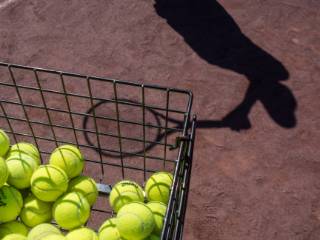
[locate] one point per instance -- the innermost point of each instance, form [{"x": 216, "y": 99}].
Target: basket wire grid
[{"x": 125, "y": 130}]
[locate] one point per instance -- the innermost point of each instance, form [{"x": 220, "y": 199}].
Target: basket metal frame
[{"x": 174, "y": 220}]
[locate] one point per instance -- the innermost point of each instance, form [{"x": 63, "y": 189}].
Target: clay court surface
[{"x": 254, "y": 69}]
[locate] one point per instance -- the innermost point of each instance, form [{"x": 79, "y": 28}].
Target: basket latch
[{"x": 180, "y": 139}]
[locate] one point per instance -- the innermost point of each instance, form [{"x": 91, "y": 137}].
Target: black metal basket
[{"x": 125, "y": 130}]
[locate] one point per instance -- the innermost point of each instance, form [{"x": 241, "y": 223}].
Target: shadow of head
[{"x": 214, "y": 35}]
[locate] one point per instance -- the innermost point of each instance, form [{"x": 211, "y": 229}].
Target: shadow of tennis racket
[
  {"x": 155, "y": 127},
  {"x": 107, "y": 122}
]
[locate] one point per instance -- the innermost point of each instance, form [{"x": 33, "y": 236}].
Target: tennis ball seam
[
  {"x": 4, "y": 178},
  {"x": 127, "y": 182},
  {"x": 80, "y": 157},
  {"x": 86, "y": 195},
  {"x": 81, "y": 213},
  {"x": 55, "y": 187},
  {"x": 15, "y": 177},
  {"x": 72, "y": 160},
  {"x": 142, "y": 223},
  {"x": 61, "y": 171},
  {"x": 15, "y": 197},
  {"x": 148, "y": 192},
  {"x": 122, "y": 196},
  {"x": 44, "y": 234},
  {"x": 35, "y": 152},
  {"x": 134, "y": 214},
  {"x": 86, "y": 186},
  {"x": 29, "y": 144},
  {"x": 79, "y": 210},
  {"x": 108, "y": 223},
  {"x": 47, "y": 190},
  {"x": 52, "y": 183},
  {"x": 36, "y": 210},
  {"x": 128, "y": 191},
  {"x": 43, "y": 218}
]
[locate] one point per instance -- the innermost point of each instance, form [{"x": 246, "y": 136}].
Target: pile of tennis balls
[
  {"x": 140, "y": 214},
  {"x": 33, "y": 195}
]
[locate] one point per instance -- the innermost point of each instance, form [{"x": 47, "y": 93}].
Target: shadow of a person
[{"x": 213, "y": 34}]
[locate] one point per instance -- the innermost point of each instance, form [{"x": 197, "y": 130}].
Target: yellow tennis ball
[
  {"x": 14, "y": 236},
  {"x": 54, "y": 237},
  {"x": 135, "y": 221},
  {"x": 4, "y": 143},
  {"x": 26, "y": 148},
  {"x": 159, "y": 212},
  {"x": 10, "y": 203},
  {"x": 85, "y": 185},
  {"x": 71, "y": 211},
  {"x": 82, "y": 234},
  {"x": 49, "y": 182},
  {"x": 20, "y": 167},
  {"x": 4, "y": 173},
  {"x": 42, "y": 230},
  {"x": 123, "y": 193},
  {"x": 13, "y": 227},
  {"x": 158, "y": 187},
  {"x": 35, "y": 211},
  {"x": 109, "y": 230},
  {"x": 68, "y": 158}
]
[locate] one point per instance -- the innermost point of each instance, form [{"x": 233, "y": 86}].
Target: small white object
[{"x": 103, "y": 188}]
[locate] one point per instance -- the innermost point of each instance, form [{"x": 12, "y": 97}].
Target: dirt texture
[{"x": 254, "y": 69}]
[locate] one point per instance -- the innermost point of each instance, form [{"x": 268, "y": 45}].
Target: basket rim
[{"x": 93, "y": 77}]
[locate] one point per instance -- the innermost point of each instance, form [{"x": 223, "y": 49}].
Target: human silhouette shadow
[{"x": 213, "y": 34}]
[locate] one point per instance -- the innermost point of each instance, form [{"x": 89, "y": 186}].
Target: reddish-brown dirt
[{"x": 259, "y": 183}]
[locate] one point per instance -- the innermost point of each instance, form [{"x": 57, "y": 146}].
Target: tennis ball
[
  {"x": 42, "y": 230},
  {"x": 20, "y": 167},
  {"x": 4, "y": 173},
  {"x": 4, "y": 143},
  {"x": 69, "y": 159},
  {"x": 153, "y": 237},
  {"x": 158, "y": 187},
  {"x": 14, "y": 236},
  {"x": 109, "y": 230},
  {"x": 82, "y": 234},
  {"x": 159, "y": 212},
  {"x": 10, "y": 203},
  {"x": 72, "y": 210},
  {"x": 135, "y": 221},
  {"x": 25, "y": 148},
  {"x": 35, "y": 211},
  {"x": 123, "y": 193},
  {"x": 54, "y": 237},
  {"x": 13, "y": 227},
  {"x": 49, "y": 182},
  {"x": 85, "y": 185}
]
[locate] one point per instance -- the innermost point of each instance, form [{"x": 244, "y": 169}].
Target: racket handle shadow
[
  {"x": 233, "y": 124},
  {"x": 211, "y": 124}
]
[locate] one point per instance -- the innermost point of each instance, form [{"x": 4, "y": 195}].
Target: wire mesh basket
[{"x": 125, "y": 130}]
